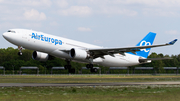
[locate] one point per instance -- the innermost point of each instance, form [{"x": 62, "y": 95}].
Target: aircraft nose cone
[{"x": 6, "y": 35}]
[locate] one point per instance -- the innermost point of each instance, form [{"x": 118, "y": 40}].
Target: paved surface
[{"x": 84, "y": 84}]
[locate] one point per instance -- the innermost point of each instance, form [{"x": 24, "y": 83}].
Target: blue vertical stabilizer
[{"x": 147, "y": 40}]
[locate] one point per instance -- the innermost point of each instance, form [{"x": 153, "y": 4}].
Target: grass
[
  {"x": 84, "y": 78},
  {"x": 103, "y": 93},
  {"x": 92, "y": 93}
]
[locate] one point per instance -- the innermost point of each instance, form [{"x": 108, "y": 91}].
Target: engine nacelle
[
  {"x": 40, "y": 56},
  {"x": 78, "y": 54}
]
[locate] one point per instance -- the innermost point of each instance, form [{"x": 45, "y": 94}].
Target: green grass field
[
  {"x": 84, "y": 78},
  {"x": 103, "y": 93},
  {"x": 92, "y": 93}
]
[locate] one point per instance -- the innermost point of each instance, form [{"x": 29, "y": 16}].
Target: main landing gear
[
  {"x": 20, "y": 52},
  {"x": 68, "y": 67},
  {"x": 90, "y": 66}
]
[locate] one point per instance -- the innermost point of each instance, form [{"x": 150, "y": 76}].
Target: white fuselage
[{"x": 57, "y": 46}]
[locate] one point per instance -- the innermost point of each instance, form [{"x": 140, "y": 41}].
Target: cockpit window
[{"x": 11, "y": 31}]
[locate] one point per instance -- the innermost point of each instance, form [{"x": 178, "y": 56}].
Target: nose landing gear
[{"x": 20, "y": 52}]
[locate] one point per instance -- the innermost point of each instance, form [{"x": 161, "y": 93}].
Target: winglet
[{"x": 172, "y": 42}]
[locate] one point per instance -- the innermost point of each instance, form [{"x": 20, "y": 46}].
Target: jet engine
[
  {"x": 40, "y": 56},
  {"x": 78, "y": 54}
]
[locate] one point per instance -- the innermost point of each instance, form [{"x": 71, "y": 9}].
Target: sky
[{"x": 107, "y": 23}]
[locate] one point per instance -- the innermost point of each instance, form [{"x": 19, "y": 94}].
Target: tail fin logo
[{"x": 144, "y": 43}]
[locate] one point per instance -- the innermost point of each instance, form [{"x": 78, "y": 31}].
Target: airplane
[{"x": 46, "y": 45}]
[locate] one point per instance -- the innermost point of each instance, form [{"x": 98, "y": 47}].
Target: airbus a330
[{"x": 46, "y": 45}]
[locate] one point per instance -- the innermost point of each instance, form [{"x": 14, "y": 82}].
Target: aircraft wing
[{"x": 111, "y": 51}]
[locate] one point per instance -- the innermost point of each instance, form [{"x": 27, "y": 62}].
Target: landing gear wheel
[
  {"x": 89, "y": 66},
  {"x": 67, "y": 67},
  {"x": 20, "y": 53},
  {"x": 93, "y": 70},
  {"x": 71, "y": 70}
]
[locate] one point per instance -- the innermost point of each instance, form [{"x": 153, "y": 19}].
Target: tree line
[{"x": 11, "y": 61}]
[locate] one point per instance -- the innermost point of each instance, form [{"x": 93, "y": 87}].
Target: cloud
[
  {"x": 108, "y": 7},
  {"x": 34, "y": 15},
  {"x": 37, "y": 2},
  {"x": 10, "y": 14},
  {"x": 97, "y": 41},
  {"x": 118, "y": 11},
  {"x": 54, "y": 23},
  {"x": 30, "y": 2},
  {"x": 83, "y": 29},
  {"x": 6, "y": 25},
  {"x": 142, "y": 2},
  {"x": 76, "y": 11},
  {"x": 1, "y": 1},
  {"x": 165, "y": 8},
  {"x": 32, "y": 25},
  {"x": 157, "y": 3},
  {"x": 172, "y": 32},
  {"x": 161, "y": 8},
  {"x": 62, "y": 3},
  {"x": 165, "y": 3},
  {"x": 160, "y": 12}
]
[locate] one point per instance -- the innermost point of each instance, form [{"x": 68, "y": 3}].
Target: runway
[{"x": 84, "y": 84}]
